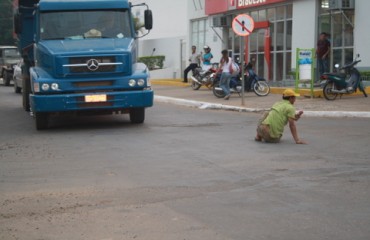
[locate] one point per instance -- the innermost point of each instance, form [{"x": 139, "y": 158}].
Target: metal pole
[{"x": 242, "y": 42}]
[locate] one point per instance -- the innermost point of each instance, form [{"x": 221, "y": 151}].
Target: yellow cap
[{"x": 290, "y": 93}]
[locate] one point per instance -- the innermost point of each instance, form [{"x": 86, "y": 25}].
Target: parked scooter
[
  {"x": 343, "y": 83},
  {"x": 203, "y": 77},
  {"x": 252, "y": 83}
]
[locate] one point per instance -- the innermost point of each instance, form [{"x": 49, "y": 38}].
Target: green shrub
[
  {"x": 365, "y": 73},
  {"x": 153, "y": 62}
]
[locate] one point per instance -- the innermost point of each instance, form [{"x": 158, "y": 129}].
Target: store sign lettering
[
  {"x": 245, "y": 3},
  {"x": 255, "y": 3}
]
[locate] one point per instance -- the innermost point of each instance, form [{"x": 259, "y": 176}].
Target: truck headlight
[
  {"x": 55, "y": 86},
  {"x": 141, "y": 82},
  {"x": 132, "y": 83},
  {"x": 45, "y": 87}
]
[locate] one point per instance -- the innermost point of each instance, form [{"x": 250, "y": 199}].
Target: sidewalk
[{"x": 176, "y": 92}]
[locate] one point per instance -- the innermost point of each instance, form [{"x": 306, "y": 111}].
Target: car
[
  {"x": 17, "y": 77},
  {"x": 9, "y": 56}
]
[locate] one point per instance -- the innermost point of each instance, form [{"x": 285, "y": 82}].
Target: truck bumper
[{"x": 91, "y": 101}]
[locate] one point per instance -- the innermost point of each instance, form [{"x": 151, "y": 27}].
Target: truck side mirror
[
  {"x": 148, "y": 17},
  {"x": 17, "y": 23}
]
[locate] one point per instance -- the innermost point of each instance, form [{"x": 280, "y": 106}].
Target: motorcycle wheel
[
  {"x": 328, "y": 93},
  {"x": 362, "y": 88},
  {"x": 218, "y": 93},
  {"x": 261, "y": 88},
  {"x": 195, "y": 85}
]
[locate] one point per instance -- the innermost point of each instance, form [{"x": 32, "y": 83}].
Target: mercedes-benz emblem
[{"x": 93, "y": 64}]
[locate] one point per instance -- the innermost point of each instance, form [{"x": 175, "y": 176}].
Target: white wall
[
  {"x": 304, "y": 26},
  {"x": 169, "y": 17},
  {"x": 170, "y": 24},
  {"x": 361, "y": 32},
  {"x": 170, "y": 48}
]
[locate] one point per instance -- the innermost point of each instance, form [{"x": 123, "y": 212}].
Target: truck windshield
[{"x": 85, "y": 24}]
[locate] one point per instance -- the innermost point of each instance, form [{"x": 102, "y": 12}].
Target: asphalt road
[{"x": 184, "y": 174}]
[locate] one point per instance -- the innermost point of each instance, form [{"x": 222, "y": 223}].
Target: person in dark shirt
[{"x": 322, "y": 53}]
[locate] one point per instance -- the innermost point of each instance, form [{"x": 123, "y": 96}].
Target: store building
[{"x": 282, "y": 26}]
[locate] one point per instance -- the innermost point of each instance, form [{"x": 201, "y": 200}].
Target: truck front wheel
[
  {"x": 41, "y": 120},
  {"x": 137, "y": 115}
]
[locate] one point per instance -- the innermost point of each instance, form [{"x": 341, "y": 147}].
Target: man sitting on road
[{"x": 271, "y": 126}]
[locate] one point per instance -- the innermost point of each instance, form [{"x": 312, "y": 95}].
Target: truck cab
[{"x": 81, "y": 59}]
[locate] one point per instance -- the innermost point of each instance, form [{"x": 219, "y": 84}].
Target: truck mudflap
[{"x": 92, "y": 101}]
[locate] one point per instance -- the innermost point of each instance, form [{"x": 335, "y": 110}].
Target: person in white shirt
[
  {"x": 194, "y": 62},
  {"x": 226, "y": 68}
]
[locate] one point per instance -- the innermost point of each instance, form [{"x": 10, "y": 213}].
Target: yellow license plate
[{"x": 96, "y": 98}]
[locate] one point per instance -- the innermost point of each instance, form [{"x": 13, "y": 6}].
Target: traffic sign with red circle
[{"x": 243, "y": 25}]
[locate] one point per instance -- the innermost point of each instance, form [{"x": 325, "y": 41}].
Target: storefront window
[
  {"x": 280, "y": 36},
  {"x": 337, "y": 30},
  {"x": 288, "y": 69},
  {"x": 254, "y": 15},
  {"x": 198, "y": 32},
  {"x": 253, "y": 40},
  {"x": 289, "y": 35},
  {"x": 339, "y": 25},
  {"x": 280, "y": 13},
  {"x": 289, "y": 11},
  {"x": 337, "y": 56},
  {"x": 348, "y": 55},
  {"x": 272, "y": 35},
  {"x": 271, "y": 14},
  {"x": 271, "y": 47},
  {"x": 279, "y": 66},
  {"x": 262, "y": 15},
  {"x": 279, "y": 40}
]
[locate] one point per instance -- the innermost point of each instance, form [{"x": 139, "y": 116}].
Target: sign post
[
  {"x": 243, "y": 25},
  {"x": 305, "y": 68}
]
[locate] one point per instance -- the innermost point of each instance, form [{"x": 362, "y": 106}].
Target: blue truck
[{"x": 80, "y": 57}]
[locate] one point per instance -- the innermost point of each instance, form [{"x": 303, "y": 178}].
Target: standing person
[
  {"x": 271, "y": 126},
  {"x": 322, "y": 53},
  {"x": 206, "y": 58},
  {"x": 225, "y": 67},
  {"x": 194, "y": 62}
]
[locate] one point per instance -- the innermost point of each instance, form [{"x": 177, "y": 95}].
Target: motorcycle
[
  {"x": 251, "y": 83},
  {"x": 346, "y": 82},
  {"x": 203, "y": 77}
]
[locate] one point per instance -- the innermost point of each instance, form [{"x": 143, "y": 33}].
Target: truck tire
[
  {"x": 6, "y": 78},
  {"x": 41, "y": 120},
  {"x": 26, "y": 89},
  {"x": 137, "y": 115}
]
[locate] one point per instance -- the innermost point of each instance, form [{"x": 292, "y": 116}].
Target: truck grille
[{"x": 92, "y": 64}]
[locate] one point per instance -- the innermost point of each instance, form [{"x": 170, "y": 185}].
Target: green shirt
[{"x": 278, "y": 117}]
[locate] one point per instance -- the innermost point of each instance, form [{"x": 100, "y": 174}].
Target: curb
[
  {"x": 216, "y": 106},
  {"x": 317, "y": 93}
]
